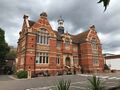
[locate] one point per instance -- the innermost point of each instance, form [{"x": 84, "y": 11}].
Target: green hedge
[{"x": 22, "y": 74}]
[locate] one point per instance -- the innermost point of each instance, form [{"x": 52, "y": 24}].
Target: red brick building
[{"x": 41, "y": 48}]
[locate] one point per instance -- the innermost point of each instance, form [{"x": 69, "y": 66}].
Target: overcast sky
[{"x": 78, "y": 16}]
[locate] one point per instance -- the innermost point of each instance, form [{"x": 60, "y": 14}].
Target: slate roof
[
  {"x": 79, "y": 38},
  {"x": 58, "y": 35},
  {"x": 31, "y": 22}
]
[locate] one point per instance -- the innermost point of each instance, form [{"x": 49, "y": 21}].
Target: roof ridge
[{"x": 83, "y": 32}]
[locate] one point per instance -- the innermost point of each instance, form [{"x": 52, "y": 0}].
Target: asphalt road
[
  {"x": 78, "y": 82},
  {"x": 5, "y": 78}
]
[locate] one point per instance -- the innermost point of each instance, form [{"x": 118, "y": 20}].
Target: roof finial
[
  {"x": 25, "y": 17},
  {"x": 92, "y": 27},
  {"x": 43, "y": 14}
]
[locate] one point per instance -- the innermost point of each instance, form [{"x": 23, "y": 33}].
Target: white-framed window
[
  {"x": 43, "y": 36},
  {"x": 94, "y": 51},
  {"x": 67, "y": 44},
  {"x": 22, "y": 60},
  {"x": 95, "y": 60},
  {"x": 58, "y": 59},
  {"x": 42, "y": 58}
]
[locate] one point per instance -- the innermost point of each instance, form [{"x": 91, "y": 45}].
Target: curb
[{"x": 12, "y": 77}]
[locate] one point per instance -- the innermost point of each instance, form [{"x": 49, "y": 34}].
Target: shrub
[
  {"x": 95, "y": 84},
  {"x": 63, "y": 85},
  {"x": 22, "y": 74}
]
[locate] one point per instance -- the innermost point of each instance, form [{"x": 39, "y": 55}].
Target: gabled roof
[{"x": 79, "y": 38}]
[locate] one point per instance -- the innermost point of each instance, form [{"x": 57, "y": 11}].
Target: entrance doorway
[{"x": 67, "y": 61}]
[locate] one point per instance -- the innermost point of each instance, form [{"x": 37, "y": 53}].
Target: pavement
[{"x": 78, "y": 82}]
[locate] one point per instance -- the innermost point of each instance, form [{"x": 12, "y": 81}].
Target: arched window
[{"x": 43, "y": 36}]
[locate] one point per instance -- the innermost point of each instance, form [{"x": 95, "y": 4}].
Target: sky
[{"x": 78, "y": 15}]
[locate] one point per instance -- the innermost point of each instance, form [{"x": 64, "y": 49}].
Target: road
[
  {"x": 5, "y": 78},
  {"x": 78, "y": 82}
]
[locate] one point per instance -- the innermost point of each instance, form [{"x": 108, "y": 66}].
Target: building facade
[
  {"x": 113, "y": 61},
  {"x": 41, "y": 48}
]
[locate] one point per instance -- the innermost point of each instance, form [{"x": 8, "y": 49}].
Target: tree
[
  {"x": 4, "y": 48},
  {"x": 11, "y": 55},
  {"x": 105, "y": 3}
]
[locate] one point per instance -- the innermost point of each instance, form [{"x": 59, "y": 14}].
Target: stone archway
[{"x": 67, "y": 61}]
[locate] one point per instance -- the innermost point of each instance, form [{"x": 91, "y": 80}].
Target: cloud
[{"x": 77, "y": 14}]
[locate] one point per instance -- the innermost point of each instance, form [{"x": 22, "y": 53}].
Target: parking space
[
  {"x": 78, "y": 82},
  {"x": 74, "y": 86},
  {"x": 107, "y": 81}
]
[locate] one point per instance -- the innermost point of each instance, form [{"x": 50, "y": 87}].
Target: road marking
[
  {"x": 42, "y": 88},
  {"x": 39, "y": 88},
  {"x": 112, "y": 77},
  {"x": 48, "y": 87},
  {"x": 78, "y": 87},
  {"x": 82, "y": 82},
  {"x": 118, "y": 78},
  {"x": 111, "y": 82},
  {"x": 101, "y": 77},
  {"x": 79, "y": 82}
]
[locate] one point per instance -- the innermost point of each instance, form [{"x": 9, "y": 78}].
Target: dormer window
[{"x": 43, "y": 36}]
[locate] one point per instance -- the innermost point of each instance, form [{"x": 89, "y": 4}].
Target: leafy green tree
[
  {"x": 105, "y": 3},
  {"x": 4, "y": 48},
  {"x": 11, "y": 55}
]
